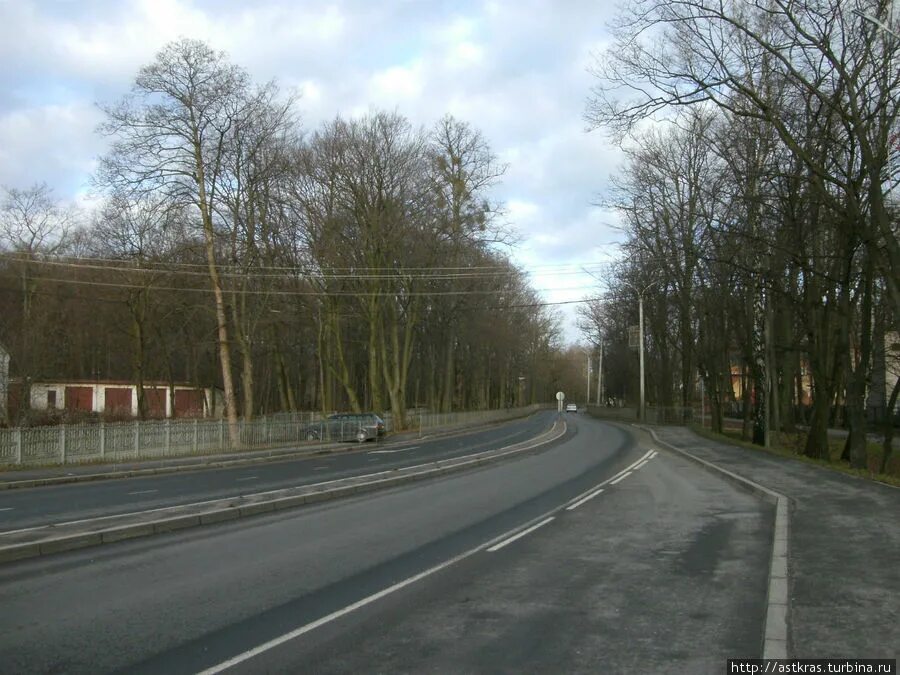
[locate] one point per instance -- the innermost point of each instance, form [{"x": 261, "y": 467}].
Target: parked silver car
[{"x": 359, "y": 427}]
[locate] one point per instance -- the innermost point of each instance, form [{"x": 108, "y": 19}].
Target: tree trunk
[
  {"x": 888, "y": 427},
  {"x": 857, "y": 443}
]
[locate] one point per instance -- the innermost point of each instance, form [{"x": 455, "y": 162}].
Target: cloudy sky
[{"x": 515, "y": 69}]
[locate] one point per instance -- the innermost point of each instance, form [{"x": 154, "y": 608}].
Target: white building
[{"x": 116, "y": 397}]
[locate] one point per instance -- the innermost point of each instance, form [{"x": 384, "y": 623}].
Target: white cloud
[
  {"x": 397, "y": 84},
  {"x": 515, "y": 69}
]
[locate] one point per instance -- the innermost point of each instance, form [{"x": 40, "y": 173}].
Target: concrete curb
[
  {"x": 776, "y": 628},
  {"x": 273, "y": 455},
  {"x": 171, "y": 519}
]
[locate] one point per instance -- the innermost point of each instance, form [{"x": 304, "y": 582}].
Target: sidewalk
[{"x": 844, "y": 550}]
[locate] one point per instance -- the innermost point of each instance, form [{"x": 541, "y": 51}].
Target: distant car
[
  {"x": 358, "y": 427},
  {"x": 571, "y": 407}
]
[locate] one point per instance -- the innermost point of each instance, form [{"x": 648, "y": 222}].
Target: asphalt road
[
  {"x": 663, "y": 571},
  {"x": 75, "y": 501}
]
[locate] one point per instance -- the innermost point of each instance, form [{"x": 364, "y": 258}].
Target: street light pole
[
  {"x": 641, "y": 348},
  {"x": 588, "y": 397},
  {"x": 600, "y": 376},
  {"x": 640, "y": 293}
]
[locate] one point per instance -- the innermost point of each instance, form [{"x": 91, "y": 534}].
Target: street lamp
[{"x": 640, "y": 293}]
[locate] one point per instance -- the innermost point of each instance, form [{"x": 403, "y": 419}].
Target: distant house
[
  {"x": 4, "y": 384},
  {"x": 119, "y": 398}
]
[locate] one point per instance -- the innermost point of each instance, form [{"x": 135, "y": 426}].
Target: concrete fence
[{"x": 158, "y": 439}]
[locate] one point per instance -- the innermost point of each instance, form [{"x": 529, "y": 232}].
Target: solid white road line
[
  {"x": 622, "y": 477},
  {"x": 390, "y": 452},
  {"x": 506, "y": 542},
  {"x": 640, "y": 465},
  {"x": 143, "y": 492},
  {"x": 583, "y": 500},
  {"x": 240, "y": 658},
  {"x": 248, "y": 478},
  {"x": 8, "y": 508}
]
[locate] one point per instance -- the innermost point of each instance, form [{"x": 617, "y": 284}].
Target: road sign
[{"x": 560, "y": 396}]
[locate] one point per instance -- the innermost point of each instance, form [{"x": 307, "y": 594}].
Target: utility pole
[
  {"x": 640, "y": 293},
  {"x": 600, "y": 376},
  {"x": 641, "y": 348},
  {"x": 588, "y": 397}
]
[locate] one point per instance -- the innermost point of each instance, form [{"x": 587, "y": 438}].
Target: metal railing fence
[{"x": 160, "y": 439}]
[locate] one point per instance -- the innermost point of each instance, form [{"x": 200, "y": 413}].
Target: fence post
[
  {"x": 222, "y": 433},
  {"x": 195, "y": 441},
  {"x": 19, "y": 445},
  {"x": 137, "y": 437},
  {"x": 62, "y": 443},
  {"x": 102, "y": 439},
  {"x": 168, "y": 435}
]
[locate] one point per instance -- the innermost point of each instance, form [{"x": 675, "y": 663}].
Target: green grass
[{"x": 790, "y": 445}]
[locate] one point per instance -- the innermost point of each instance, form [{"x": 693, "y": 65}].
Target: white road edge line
[
  {"x": 507, "y": 542},
  {"x": 8, "y": 508},
  {"x": 583, "y": 500},
  {"x": 641, "y": 464},
  {"x": 143, "y": 492},
  {"x": 620, "y": 478},
  {"x": 390, "y": 452}
]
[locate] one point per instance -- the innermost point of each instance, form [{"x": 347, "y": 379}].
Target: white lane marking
[
  {"x": 287, "y": 637},
  {"x": 583, "y": 500},
  {"x": 622, "y": 477},
  {"x": 655, "y": 453},
  {"x": 320, "y": 485},
  {"x": 320, "y": 468},
  {"x": 248, "y": 478},
  {"x": 8, "y": 508},
  {"x": 609, "y": 480},
  {"x": 143, "y": 492},
  {"x": 390, "y": 452},
  {"x": 506, "y": 542},
  {"x": 640, "y": 465}
]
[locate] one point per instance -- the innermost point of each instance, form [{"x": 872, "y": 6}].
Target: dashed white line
[
  {"x": 583, "y": 500},
  {"x": 622, "y": 477},
  {"x": 641, "y": 464},
  {"x": 248, "y": 478},
  {"x": 507, "y": 542},
  {"x": 143, "y": 492},
  {"x": 8, "y": 508}
]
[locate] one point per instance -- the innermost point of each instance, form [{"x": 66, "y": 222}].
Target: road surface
[{"x": 522, "y": 566}]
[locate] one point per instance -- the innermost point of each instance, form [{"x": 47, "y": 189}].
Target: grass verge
[{"x": 788, "y": 445}]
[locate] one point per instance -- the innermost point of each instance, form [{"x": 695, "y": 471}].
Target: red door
[
  {"x": 188, "y": 403},
  {"x": 117, "y": 400},
  {"x": 80, "y": 398},
  {"x": 156, "y": 402}
]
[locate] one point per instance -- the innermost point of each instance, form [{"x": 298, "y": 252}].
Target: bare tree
[{"x": 171, "y": 135}]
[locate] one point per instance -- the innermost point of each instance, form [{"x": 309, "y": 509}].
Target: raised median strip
[
  {"x": 55, "y": 538},
  {"x": 775, "y": 641}
]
